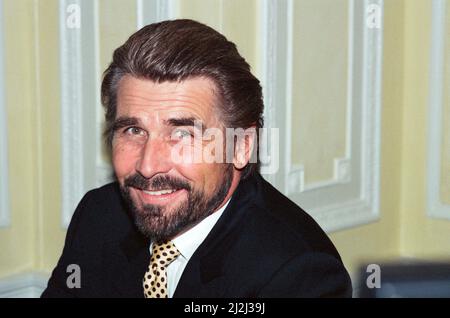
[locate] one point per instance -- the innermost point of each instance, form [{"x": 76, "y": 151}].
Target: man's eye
[
  {"x": 180, "y": 133},
  {"x": 134, "y": 131}
]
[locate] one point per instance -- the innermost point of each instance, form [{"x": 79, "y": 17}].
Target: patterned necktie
[{"x": 155, "y": 279}]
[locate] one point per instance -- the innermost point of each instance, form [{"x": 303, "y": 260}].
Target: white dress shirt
[{"x": 187, "y": 243}]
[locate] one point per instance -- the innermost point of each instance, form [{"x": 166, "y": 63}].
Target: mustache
[{"x": 157, "y": 183}]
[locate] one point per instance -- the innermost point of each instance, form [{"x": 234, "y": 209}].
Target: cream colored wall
[
  {"x": 319, "y": 96},
  {"x": 379, "y": 241},
  {"x": 445, "y": 174},
  {"x": 421, "y": 236},
  {"x": 17, "y": 251},
  {"x": 35, "y": 238},
  {"x": 50, "y": 236}
]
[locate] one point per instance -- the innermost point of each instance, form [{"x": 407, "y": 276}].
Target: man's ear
[{"x": 243, "y": 148}]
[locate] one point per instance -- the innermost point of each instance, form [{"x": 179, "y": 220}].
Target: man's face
[{"x": 166, "y": 196}]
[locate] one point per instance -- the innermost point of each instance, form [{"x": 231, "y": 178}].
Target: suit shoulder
[
  {"x": 293, "y": 226},
  {"x": 101, "y": 210},
  {"x": 286, "y": 251},
  {"x": 105, "y": 200},
  {"x": 105, "y": 193}
]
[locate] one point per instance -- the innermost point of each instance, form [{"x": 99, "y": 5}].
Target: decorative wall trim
[
  {"x": 272, "y": 25},
  {"x": 295, "y": 175},
  {"x": 150, "y": 11},
  {"x": 5, "y": 218},
  {"x": 71, "y": 112},
  {"x": 78, "y": 72},
  {"x": 25, "y": 285},
  {"x": 435, "y": 207},
  {"x": 351, "y": 197}
]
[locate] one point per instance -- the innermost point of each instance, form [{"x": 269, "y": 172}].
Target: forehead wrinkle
[
  {"x": 162, "y": 101},
  {"x": 176, "y": 101},
  {"x": 160, "y": 96},
  {"x": 177, "y": 108}
]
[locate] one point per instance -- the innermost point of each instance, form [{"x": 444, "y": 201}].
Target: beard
[{"x": 160, "y": 224}]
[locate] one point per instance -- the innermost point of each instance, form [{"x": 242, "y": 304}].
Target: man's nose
[{"x": 154, "y": 158}]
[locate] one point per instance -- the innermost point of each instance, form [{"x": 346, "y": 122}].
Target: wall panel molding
[
  {"x": 435, "y": 207},
  {"x": 79, "y": 100},
  {"x": 295, "y": 175},
  {"x": 151, "y": 11},
  {"x": 24, "y": 285},
  {"x": 351, "y": 197},
  {"x": 271, "y": 69},
  {"x": 5, "y": 218}
]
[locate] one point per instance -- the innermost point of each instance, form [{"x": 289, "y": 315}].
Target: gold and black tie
[{"x": 155, "y": 279}]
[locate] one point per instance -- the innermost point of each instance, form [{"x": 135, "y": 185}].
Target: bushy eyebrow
[
  {"x": 186, "y": 121},
  {"x": 124, "y": 121}
]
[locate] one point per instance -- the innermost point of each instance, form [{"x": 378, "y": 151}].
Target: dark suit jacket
[{"x": 263, "y": 245}]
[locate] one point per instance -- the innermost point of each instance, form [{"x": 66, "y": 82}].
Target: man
[{"x": 189, "y": 228}]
